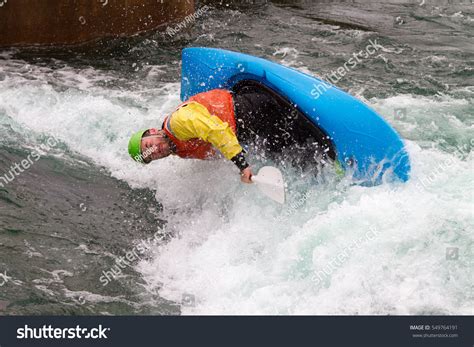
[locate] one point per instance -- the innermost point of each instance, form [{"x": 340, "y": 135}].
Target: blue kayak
[{"x": 365, "y": 145}]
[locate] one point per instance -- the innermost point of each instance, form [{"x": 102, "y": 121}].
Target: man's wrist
[{"x": 240, "y": 161}]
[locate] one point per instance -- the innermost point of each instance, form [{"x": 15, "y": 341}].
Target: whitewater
[{"x": 335, "y": 247}]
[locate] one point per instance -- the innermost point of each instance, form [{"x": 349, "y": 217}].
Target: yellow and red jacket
[{"x": 202, "y": 124}]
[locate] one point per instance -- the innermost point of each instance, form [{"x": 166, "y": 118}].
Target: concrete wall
[{"x": 59, "y": 22}]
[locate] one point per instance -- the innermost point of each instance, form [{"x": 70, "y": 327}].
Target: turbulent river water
[{"x": 200, "y": 242}]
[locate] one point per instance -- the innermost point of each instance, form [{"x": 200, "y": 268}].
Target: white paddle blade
[{"x": 270, "y": 182}]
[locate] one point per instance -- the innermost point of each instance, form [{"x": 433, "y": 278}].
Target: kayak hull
[{"x": 366, "y": 146}]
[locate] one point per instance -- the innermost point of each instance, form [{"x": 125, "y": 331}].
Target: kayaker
[
  {"x": 222, "y": 120},
  {"x": 197, "y": 129}
]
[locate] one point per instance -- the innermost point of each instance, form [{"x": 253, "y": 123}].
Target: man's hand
[{"x": 246, "y": 175}]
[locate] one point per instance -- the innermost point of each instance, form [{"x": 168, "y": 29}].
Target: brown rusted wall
[{"x": 56, "y": 22}]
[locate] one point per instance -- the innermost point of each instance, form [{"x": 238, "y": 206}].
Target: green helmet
[{"x": 134, "y": 146}]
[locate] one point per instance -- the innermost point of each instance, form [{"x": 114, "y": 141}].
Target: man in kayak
[
  {"x": 220, "y": 120},
  {"x": 195, "y": 130}
]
